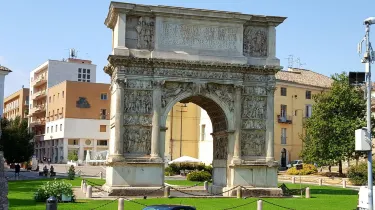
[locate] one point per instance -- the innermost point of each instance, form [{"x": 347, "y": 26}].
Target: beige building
[
  {"x": 77, "y": 121},
  {"x": 17, "y": 104}
]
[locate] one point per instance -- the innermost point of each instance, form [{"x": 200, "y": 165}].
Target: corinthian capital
[
  {"x": 271, "y": 89},
  {"x": 120, "y": 82},
  {"x": 158, "y": 84}
]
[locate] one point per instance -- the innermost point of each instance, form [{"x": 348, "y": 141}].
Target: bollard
[
  {"x": 101, "y": 175},
  {"x": 320, "y": 181},
  {"x": 89, "y": 192},
  {"x": 260, "y": 205},
  {"x": 293, "y": 180},
  {"x": 121, "y": 204},
  {"x": 206, "y": 186},
  {"x": 167, "y": 191},
  {"x": 307, "y": 193},
  {"x": 343, "y": 183},
  {"x": 239, "y": 192},
  {"x": 51, "y": 203},
  {"x": 84, "y": 188}
]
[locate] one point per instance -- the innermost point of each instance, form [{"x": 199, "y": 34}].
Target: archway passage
[
  {"x": 283, "y": 158},
  {"x": 219, "y": 135}
]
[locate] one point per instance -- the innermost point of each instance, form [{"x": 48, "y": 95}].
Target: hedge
[{"x": 306, "y": 170}]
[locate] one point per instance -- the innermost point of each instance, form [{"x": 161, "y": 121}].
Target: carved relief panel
[
  {"x": 140, "y": 32},
  {"x": 255, "y": 40},
  {"x": 253, "y": 143},
  {"x": 137, "y": 139},
  {"x": 220, "y": 147},
  {"x": 198, "y": 74},
  {"x": 254, "y": 107},
  {"x": 172, "y": 90},
  {"x": 224, "y": 92},
  {"x": 138, "y": 101}
]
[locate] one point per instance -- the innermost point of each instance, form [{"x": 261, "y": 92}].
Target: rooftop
[
  {"x": 304, "y": 77},
  {"x": 3, "y": 68}
]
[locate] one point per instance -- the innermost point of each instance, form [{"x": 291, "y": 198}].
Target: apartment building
[
  {"x": 293, "y": 104},
  {"x": 3, "y": 72},
  {"x": 77, "y": 121},
  {"x": 47, "y": 75},
  {"x": 17, "y": 104}
]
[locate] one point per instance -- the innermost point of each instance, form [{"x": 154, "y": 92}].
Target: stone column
[
  {"x": 271, "y": 42},
  {"x": 156, "y": 107},
  {"x": 118, "y": 36},
  {"x": 270, "y": 123},
  {"x": 162, "y": 142},
  {"x": 237, "y": 126},
  {"x": 116, "y": 140}
]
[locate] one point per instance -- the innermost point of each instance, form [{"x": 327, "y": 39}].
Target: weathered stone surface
[{"x": 3, "y": 185}]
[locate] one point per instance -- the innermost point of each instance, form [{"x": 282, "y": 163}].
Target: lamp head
[{"x": 369, "y": 21}]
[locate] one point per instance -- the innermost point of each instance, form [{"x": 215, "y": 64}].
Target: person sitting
[{"x": 45, "y": 170}]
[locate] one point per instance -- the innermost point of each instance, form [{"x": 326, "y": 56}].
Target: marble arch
[{"x": 225, "y": 62}]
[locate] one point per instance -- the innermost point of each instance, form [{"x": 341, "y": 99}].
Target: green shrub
[
  {"x": 199, "y": 176},
  {"x": 307, "y": 169},
  {"x": 71, "y": 173},
  {"x": 187, "y": 166},
  {"x": 209, "y": 169},
  {"x": 73, "y": 155},
  {"x": 358, "y": 174},
  {"x": 55, "y": 188}
]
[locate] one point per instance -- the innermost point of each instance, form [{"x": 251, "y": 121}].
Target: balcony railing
[
  {"x": 39, "y": 94},
  {"x": 41, "y": 79},
  {"x": 284, "y": 119},
  {"x": 40, "y": 121}
]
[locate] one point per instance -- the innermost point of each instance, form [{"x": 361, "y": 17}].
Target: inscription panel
[{"x": 203, "y": 36}]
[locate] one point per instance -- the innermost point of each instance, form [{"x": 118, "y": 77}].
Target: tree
[
  {"x": 16, "y": 140},
  {"x": 330, "y": 132}
]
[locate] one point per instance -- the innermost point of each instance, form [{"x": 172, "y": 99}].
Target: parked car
[
  {"x": 169, "y": 207},
  {"x": 363, "y": 198},
  {"x": 294, "y": 162}
]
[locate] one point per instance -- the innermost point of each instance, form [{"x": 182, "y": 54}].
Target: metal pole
[
  {"x": 368, "y": 75},
  {"x": 181, "y": 134}
]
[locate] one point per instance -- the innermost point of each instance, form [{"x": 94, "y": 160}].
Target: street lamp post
[
  {"x": 181, "y": 111},
  {"x": 367, "y": 60}
]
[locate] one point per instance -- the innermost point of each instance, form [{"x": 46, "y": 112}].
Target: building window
[
  {"x": 203, "y": 132},
  {"x": 283, "y": 135},
  {"x": 103, "y": 96},
  {"x": 103, "y": 114},
  {"x": 103, "y": 128},
  {"x": 62, "y": 94},
  {"x": 308, "y": 94},
  {"x": 60, "y": 127},
  {"x": 283, "y": 109},
  {"x": 102, "y": 143},
  {"x": 83, "y": 74},
  {"x": 283, "y": 91},
  {"x": 308, "y": 110}
]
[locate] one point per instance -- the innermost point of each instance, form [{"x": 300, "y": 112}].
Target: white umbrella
[{"x": 185, "y": 159}]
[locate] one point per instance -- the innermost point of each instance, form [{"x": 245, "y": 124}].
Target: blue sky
[{"x": 323, "y": 34}]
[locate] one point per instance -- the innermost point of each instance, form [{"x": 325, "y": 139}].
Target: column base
[
  {"x": 236, "y": 161},
  {"x": 115, "y": 158},
  {"x": 254, "y": 192},
  {"x": 255, "y": 175},
  {"x": 134, "y": 175},
  {"x": 133, "y": 191}
]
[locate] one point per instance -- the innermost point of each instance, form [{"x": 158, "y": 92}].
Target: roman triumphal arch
[{"x": 222, "y": 61}]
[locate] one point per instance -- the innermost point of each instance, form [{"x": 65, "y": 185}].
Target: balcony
[
  {"x": 37, "y": 109},
  {"x": 284, "y": 119},
  {"x": 40, "y": 80},
  {"x": 38, "y": 138},
  {"x": 40, "y": 121},
  {"x": 39, "y": 95}
]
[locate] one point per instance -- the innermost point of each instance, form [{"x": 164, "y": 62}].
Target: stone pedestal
[
  {"x": 262, "y": 175},
  {"x": 134, "y": 178}
]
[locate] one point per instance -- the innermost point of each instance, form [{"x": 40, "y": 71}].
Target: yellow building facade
[
  {"x": 17, "y": 104},
  {"x": 293, "y": 104}
]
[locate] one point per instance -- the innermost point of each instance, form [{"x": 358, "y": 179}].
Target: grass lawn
[{"x": 21, "y": 197}]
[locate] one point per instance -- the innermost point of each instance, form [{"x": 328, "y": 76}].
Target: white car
[
  {"x": 293, "y": 163},
  {"x": 363, "y": 198}
]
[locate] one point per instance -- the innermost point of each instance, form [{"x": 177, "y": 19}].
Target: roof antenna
[
  {"x": 299, "y": 64},
  {"x": 290, "y": 61}
]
